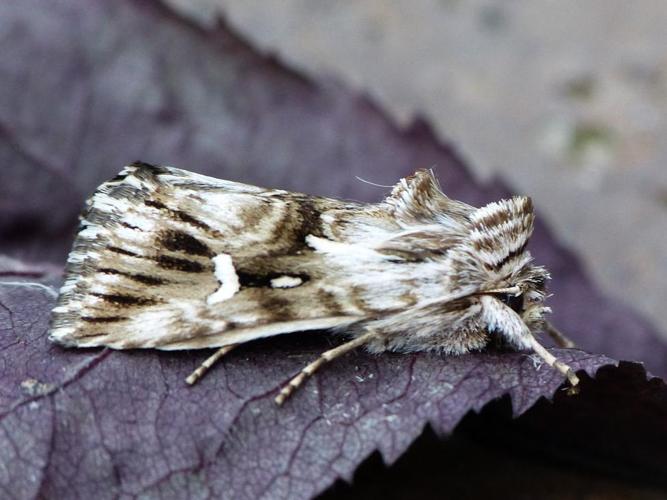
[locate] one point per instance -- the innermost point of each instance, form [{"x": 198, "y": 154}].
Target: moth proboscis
[{"x": 170, "y": 259}]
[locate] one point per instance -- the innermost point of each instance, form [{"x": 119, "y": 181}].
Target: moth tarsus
[
  {"x": 208, "y": 363},
  {"x": 558, "y": 365},
  {"x": 172, "y": 260}
]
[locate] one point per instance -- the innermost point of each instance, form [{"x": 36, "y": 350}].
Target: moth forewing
[
  {"x": 168, "y": 259},
  {"x": 160, "y": 262}
]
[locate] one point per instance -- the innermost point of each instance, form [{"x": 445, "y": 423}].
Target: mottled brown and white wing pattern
[{"x": 173, "y": 260}]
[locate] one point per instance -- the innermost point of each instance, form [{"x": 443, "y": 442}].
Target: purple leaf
[
  {"x": 89, "y": 86},
  {"x": 126, "y": 421},
  {"x": 590, "y": 446}
]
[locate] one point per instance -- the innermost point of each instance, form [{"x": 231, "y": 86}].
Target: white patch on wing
[
  {"x": 286, "y": 282},
  {"x": 226, "y": 274},
  {"x": 349, "y": 251}
]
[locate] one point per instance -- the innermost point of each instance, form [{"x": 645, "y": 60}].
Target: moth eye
[{"x": 514, "y": 302}]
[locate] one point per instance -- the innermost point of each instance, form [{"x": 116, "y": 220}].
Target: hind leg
[{"x": 325, "y": 357}]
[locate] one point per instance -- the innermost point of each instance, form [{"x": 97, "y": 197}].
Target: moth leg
[
  {"x": 561, "y": 367},
  {"x": 558, "y": 336},
  {"x": 208, "y": 363},
  {"x": 325, "y": 357}
]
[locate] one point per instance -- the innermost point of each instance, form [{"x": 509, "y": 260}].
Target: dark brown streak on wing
[
  {"x": 189, "y": 219},
  {"x": 129, "y": 226},
  {"x": 182, "y": 216},
  {"x": 301, "y": 218},
  {"x": 125, "y": 300},
  {"x": 177, "y": 264},
  {"x": 179, "y": 241},
  {"x": 141, "y": 278},
  {"x": 103, "y": 319},
  {"x": 156, "y": 204},
  {"x": 310, "y": 218},
  {"x": 122, "y": 251},
  {"x": 165, "y": 261},
  {"x": 282, "y": 229},
  {"x": 310, "y": 223}
]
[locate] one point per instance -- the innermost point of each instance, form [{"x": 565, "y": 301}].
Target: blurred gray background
[{"x": 565, "y": 100}]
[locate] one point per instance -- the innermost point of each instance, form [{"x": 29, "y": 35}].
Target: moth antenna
[
  {"x": 512, "y": 290},
  {"x": 559, "y": 337},
  {"x": 208, "y": 363},
  {"x": 325, "y": 357},
  {"x": 551, "y": 360},
  {"x": 371, "y": 183}
]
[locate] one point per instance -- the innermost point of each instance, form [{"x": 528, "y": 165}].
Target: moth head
[
  {"x": 492, "y": 263},
  {"x": 484, "y": 252}
]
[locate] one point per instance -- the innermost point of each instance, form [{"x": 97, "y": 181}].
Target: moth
[{"x": 169, "y": 259}]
